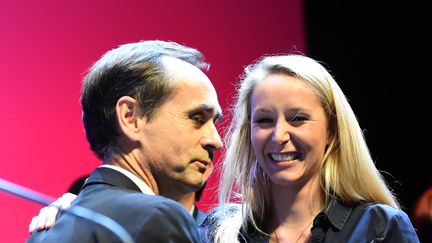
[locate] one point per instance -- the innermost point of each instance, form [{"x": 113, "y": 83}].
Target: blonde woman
[{"x": 297, "y": 165}]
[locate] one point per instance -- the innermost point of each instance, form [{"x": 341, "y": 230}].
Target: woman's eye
[
  {"x": 298, "y": 119},
  {"x": 263, "y": 120}
]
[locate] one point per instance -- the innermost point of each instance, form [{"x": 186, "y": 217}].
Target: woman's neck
[
  {"x": 292, "y": 205},
  {"x": 293, "y": 209}
]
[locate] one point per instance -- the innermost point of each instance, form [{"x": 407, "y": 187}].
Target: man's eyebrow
[{"x": 204, "y": 108}]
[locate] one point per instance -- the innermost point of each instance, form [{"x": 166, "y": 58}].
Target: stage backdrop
[{"x": 47, "y": 46}]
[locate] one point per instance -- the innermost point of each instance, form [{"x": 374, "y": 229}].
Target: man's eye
[{"x": 198, "y": 119}]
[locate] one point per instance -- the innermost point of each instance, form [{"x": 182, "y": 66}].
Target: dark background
[{"x": 378, "y": 54}]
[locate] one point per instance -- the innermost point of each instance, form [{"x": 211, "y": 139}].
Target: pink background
[{"x": 46, "y": 47}]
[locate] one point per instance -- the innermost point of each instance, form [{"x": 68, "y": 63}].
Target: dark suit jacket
[{"x": 147, "y": 218}]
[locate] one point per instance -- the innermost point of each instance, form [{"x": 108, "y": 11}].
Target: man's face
[{"x": 179, "y": 140}]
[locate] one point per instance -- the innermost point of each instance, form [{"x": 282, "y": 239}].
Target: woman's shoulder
[
  {"x": 385, "y": 222},
  {"x": 366, "y": 222},
  {"x": 385, "y": 212}
]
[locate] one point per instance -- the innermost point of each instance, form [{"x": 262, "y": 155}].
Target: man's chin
[
  {"x": 193, "y": 182},
  {"x": 197, "y": 185}
]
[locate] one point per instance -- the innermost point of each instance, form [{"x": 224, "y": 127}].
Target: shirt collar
[
  {"x": 141, "y": 184},
  {"x": 192, "y": 210},
  {"x": 336, "y": 212}
]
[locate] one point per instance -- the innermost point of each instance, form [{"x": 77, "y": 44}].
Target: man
[{"x": 149, "y": 113}]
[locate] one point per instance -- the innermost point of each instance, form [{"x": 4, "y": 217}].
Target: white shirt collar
[
  {"x": 141, "y": 184},
  {"x": 192, "y": 210}
]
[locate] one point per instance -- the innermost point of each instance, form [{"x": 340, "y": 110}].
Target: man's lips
[{"x": 206, "y": 164}]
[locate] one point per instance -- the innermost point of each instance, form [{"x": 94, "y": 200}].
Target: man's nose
[{"x": 213, "y": 140}]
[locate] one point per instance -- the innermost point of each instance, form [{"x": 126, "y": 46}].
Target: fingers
[
  {"x": 49, "y": 218},
  {"x": 67, "y": 199},
  {"x": 44, "y": 220},
  {"x": 64, "y": 201},
  {"x": 33, "y": 224},
  {"x": 47, "y": 215}
]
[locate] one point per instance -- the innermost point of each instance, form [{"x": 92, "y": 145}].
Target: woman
[{"x": 297, "y": 166}]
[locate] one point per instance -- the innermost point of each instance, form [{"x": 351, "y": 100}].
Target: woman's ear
[
  {"x": 331, "y": 130},
  {"x": 128, "y": 117}
]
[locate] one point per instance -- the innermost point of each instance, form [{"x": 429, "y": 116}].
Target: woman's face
[{"x": 288, "y": 129}]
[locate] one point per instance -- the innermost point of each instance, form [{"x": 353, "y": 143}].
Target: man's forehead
[
  {"x": 195, "y": 88},
  {"x": 181, "y": 71}
]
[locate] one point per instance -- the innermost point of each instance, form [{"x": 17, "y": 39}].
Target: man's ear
[{"x": 128, "y": 117}]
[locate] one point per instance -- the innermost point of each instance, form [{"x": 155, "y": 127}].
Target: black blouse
[{"x": 339, "y": 222}]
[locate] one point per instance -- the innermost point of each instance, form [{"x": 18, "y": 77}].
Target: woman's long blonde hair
[{"x": 348, "y": 171}]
